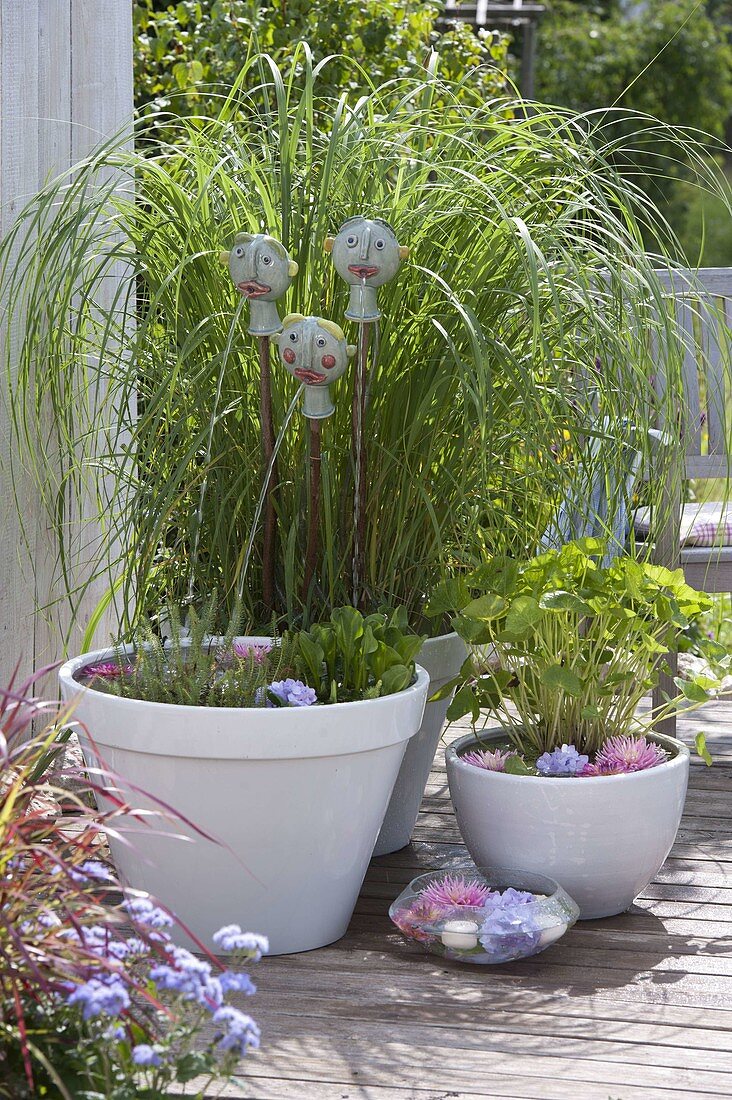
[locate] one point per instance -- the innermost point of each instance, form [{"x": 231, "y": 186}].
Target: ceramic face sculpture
[
  {"x": 315, "y": 352},
  {"x": 366, "y": 254},
  {"x": 262, "y": 270}
]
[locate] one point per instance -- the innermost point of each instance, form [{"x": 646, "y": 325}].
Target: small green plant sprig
[
  {"x": 346, "y": 658},
  {"x": 572, "y": 645},
  {"x": 355, "y": 656}
]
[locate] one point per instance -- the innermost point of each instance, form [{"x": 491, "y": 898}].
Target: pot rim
[
  {"x": 453, "y": 759},
  {"x": 66, "y": 678}
]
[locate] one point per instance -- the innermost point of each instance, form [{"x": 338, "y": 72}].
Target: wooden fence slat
[
  {"x": 18, "y": 183},
  {"x": 65, "y": 85}
]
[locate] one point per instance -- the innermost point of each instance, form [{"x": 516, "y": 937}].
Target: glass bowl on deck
[{"x": 483, "y": 915}]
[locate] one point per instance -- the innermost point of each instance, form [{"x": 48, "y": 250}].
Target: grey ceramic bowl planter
[{"x": 603, "y": 838}]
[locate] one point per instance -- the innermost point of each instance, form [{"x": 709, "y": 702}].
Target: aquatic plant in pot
[
  {"x": 283, "y": 753},
  {"x": 137, "y": 393},
  {"x": 573, "y": 781}
]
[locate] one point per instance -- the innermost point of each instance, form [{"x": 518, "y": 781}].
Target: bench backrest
[{"x": 702, "y": 303}]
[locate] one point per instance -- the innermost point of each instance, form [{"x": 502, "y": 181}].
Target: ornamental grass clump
[
  {"x": 528, "y": 262},
  {"x": 563, "y": 651},
  {"x": 96, "y": 1001}
]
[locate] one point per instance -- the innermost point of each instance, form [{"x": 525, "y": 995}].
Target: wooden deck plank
[{"x": 630, "y": 1007}]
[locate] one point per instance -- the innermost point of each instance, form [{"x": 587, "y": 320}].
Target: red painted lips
[
  {"x": 250, "y": 288},
  {"x": 364, "y": 271},
  {"x": 311, "y": 377}
]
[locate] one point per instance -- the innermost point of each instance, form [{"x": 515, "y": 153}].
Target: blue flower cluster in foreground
[{"x": 170, "y": 969}]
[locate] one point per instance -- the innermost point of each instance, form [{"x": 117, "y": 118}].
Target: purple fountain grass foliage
[
  {"x": 492, "y": 761},
  {"x": 624, "y": 754},
  {"x": 62, "y": 941},
  {"x": 455, "y": 891}
]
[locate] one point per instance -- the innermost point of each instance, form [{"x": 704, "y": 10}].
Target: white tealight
[{"x": 460, "y": 934}]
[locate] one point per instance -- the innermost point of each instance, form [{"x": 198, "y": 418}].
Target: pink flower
[
  {"x": 622, "y": 755},
  {"x": 491, "y": 761},
  {"x": 454, "y": 891},
  {"x": 410, "y": 921},
  {"x": 108, "y": 670},
  {"x": 249, "y": 651}
]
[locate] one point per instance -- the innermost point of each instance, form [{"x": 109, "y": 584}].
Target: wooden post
[{"x": 65, "y": 85}]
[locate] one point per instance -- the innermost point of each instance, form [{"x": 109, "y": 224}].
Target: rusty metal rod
[
  {"x": 268, "y": 442},
  {"x": 358, "y": 416},
  {"x": 311, "y": 553}
]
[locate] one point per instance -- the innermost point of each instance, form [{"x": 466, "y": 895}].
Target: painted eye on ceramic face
[
  {"x": 352, "y": 240},
  {"x": 266, "y": 260},
  {"x": 293, "y": 337},
  {"x": 320, "y": 341},
  {"x": 239, "y": 251},
  {"x": 380, "y": 244}
]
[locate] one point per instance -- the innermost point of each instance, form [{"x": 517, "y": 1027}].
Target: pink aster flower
[
  {"x": 108, "y": 670},
  {"x": 249, "y": 651},
  {"x": 621, "y": 755},
  {"x": 491, "y": 761},
  {"x": 454, "y": 891}
]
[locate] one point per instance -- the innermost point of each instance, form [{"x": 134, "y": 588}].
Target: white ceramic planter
[
  {"x": 442, "y": 658},
  {"x": 603, "y": 838},
  {"x": 295, "y": 796}
]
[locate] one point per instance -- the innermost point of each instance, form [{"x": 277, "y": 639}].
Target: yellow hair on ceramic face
[
  {"x": 332, "y": 328},
  {"x": 292, "y": 319}
]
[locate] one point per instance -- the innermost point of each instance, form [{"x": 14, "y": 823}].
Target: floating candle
[{"x": 460, "y": 934}]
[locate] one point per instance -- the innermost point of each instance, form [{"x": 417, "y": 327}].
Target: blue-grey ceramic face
[
  {"x": 366, "y": 251},
  {"x": 311, "y": 352},
  {"x": 259, "y": 266}
]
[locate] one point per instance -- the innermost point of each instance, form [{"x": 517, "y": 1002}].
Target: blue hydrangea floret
[
  {"x": 291, "y": 693},
  {"x": 565, "y": 761},
  {"x": 510, "y": 929}
]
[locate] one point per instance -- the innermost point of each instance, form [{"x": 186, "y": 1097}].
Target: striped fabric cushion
[{"x": 701, "y": 524}]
